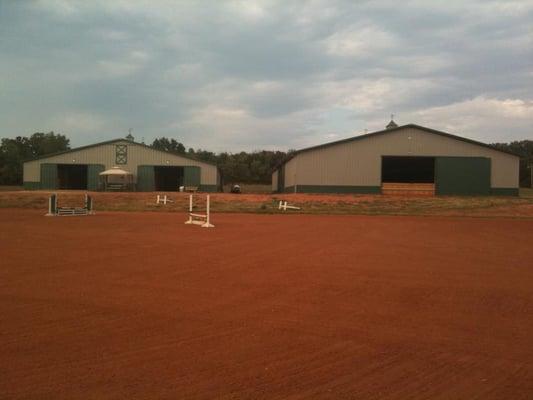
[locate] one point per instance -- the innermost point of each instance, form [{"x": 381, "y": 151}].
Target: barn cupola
[
  {"x": 392, "y": 124},
  {"x": 130, "y": 136}
]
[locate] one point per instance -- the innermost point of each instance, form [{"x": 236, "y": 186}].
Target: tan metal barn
[
  {"x": 151, "y": 169},
  {"x": 408, "y": 157}
]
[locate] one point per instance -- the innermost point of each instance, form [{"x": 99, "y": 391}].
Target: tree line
[
  {"x": 13, "y": 152},
  {"x": 242, "y": 167}
]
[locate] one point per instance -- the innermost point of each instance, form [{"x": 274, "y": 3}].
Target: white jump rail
[
  {"x": 199, "y": 219},
  {"x": 283, "y": 205},
  {"x": 163, "y": 199}
]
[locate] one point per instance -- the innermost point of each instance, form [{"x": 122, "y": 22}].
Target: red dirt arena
[{"x": 139, "y": 305}]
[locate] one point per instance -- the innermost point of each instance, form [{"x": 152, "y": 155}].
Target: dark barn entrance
[
  {"x": 168, "y": 179},
  {"x": 402, "y": 169},
  {"x": 408, "y": 175},
  {"x": 72, "y": 176}
]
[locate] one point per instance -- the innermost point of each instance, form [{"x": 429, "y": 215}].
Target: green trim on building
[
  {"x": 32, "y": 185},
  {"x": 462, "y": 176},
  {"x": 504, "y": 191},
  {"x": 334, "y": 189},
  {"x": 49, "y": 180},
  {"x": 49, "y": 177},
  {"x": 145, "y": 178},
  {"x": 121, "y": 154},
  {"x": 93, "y": 176},
  {"x": 191, "y": 176}
]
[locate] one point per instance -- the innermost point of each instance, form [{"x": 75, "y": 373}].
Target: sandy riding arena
[{"x": 140, "y": 305}]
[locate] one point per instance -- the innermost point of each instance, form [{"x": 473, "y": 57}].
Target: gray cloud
[{"x": 249, "y": 75}]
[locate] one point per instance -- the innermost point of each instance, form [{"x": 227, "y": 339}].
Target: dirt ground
[{"x": 139, "y": 305}]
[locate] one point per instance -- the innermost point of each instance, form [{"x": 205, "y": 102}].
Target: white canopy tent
[{"x": 117, "y": 179}]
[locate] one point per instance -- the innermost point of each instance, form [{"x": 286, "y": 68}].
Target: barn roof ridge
[
  {"x": 114, "y": 141},
  {"x": 389, "y": 130}
]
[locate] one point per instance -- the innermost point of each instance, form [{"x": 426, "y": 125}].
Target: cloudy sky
[{"x": 264, "y": 74}]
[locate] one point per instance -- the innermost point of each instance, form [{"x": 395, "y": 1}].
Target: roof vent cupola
[
  {"x": 130, "y": 136},
  {"x": 392, "y": 124}
]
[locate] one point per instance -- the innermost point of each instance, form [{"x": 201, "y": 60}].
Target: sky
[{"x": 251, "y": 75}]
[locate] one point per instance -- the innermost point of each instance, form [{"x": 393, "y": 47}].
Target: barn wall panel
[
  {"x": 105, "y": 155},
  {"x": 358, "y": 163}
]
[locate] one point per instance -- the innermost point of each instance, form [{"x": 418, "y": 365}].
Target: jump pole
[
  {"x": 89, "y": 204},
  {"x": 199, "y": 219},
  {"x": 52, "y": 205}
]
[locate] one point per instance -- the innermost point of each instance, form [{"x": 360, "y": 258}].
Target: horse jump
[
  {"x": 283, "y": 205},
  {"x": 55, "y": 211},
  {"x": 163, "y": 199},
  {"x": 199, "y": 219}
]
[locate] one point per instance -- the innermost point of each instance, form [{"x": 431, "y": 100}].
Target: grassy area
[
  {"x": 390, "y": 205},
  {"x": 251, "y": 188},
  {"x": 10, "y": 188},
  {"x": 268, "y": 203},
  {"x": 526, "y": 192}
]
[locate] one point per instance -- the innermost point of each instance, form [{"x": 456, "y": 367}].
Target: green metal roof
[{"x": 114, "y": 141}]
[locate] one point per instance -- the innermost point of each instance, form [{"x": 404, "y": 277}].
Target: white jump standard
[
  {"x": 199, "y": 219},
  {"x": 55, "y": 211},
  {"x": 163, "y": 199},
  {"x": 283, "y": 205}
]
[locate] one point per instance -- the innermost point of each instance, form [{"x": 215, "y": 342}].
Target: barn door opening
[
  {"x": 72, "y": 177},
  {"x": 408, "y": 175},
  {"x": 168, "y": 179}
]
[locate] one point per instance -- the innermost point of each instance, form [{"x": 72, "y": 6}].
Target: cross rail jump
[{"x": 199, "y": 219}]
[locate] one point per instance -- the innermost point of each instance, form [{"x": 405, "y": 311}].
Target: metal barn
[
  {"x": 400, "y": 158},
  {"x": 149, "y": 168}
]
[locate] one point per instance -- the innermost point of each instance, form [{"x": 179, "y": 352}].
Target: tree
[
  {"x": 13, "y": 152},
  {"x": 253, "y": 167},
  {"x": 206, "y": 155},
  {"x": 48, "y": 143},
  {"x": 170, "y": 145}
]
